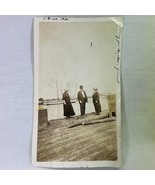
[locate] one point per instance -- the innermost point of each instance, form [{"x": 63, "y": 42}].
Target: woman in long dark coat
[
  {"x": 68, "y": 108},
  {"x": 96, "y": 101}
]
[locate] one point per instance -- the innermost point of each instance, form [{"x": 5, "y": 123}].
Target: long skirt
[{"x": 68, "y": 110}]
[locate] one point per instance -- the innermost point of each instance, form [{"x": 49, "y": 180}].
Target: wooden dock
[{"x": 57, "y": 142}]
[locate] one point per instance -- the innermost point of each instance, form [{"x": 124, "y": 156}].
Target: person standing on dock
[
  {"x": 68, "y": 108},
  {"x": 96, "y": 101},
  {"x": 82, "y": 98}
]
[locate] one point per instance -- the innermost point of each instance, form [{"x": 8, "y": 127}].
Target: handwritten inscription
[
  {"x": 56, "y": 18},
  {"x": 118, "y": 57}
]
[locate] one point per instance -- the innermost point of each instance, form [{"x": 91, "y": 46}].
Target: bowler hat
[{"x": 95, "y": 89}]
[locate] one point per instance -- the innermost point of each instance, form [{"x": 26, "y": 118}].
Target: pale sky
[{"x": 77, "y": 53}]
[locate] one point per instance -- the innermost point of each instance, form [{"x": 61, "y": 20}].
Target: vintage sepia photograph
[{"x": 77, "y": 113}]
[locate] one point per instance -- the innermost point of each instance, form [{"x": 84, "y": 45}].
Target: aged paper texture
[{"x": 77, "y": 117}]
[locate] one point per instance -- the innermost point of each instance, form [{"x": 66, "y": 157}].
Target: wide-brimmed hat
[{"x": 66, "y": 89}]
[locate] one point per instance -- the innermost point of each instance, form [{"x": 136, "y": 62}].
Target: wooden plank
[{"x": 97, "y": 142}]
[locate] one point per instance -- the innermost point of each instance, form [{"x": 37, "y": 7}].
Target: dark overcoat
[
  {"x": 68, "y": 108},
  {"x": 82, "y": 100},
  {"x": 96, "y": 102}
]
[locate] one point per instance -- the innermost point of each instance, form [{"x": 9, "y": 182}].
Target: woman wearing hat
[
  {"x": 96, "y": 101},
  {"x": 68, "y": 108}
]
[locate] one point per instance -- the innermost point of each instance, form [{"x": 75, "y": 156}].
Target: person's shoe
[{"x": 82, "y": 116}]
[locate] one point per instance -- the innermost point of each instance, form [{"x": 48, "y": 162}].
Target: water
[{"x": 56, "y": 111}]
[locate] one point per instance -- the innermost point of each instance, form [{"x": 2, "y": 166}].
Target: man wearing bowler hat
[{"x": 82, "y": 98}]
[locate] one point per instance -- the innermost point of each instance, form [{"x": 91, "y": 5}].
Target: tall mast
[
  {"x": 61, "y": 90},
  {"x": 57, "y": 90},
  {"x": 70, "y": 89}
]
